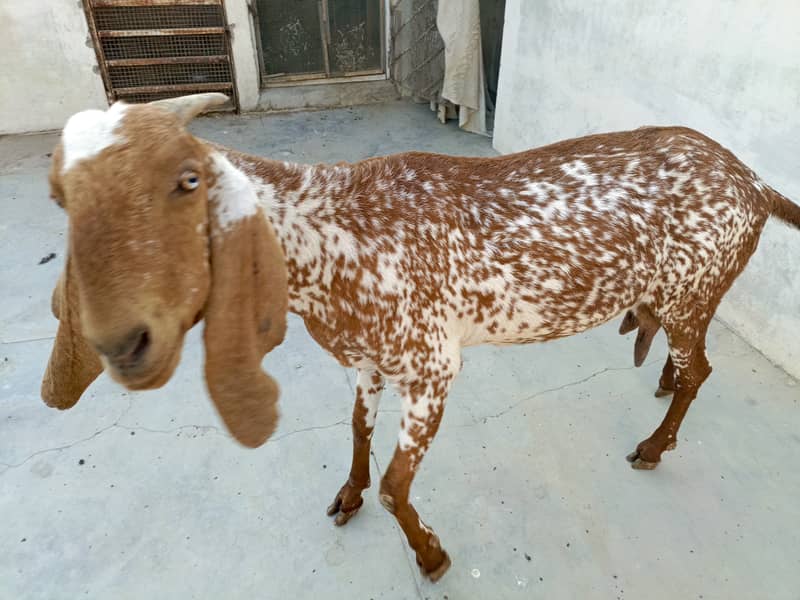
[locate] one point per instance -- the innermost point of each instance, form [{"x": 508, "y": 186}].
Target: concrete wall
[
  {"x": 45, "y": 65},
  {"x": 729, "y": 69},
  {"x": 245, "y": 57},
  {"x": 48, "y": 68}
]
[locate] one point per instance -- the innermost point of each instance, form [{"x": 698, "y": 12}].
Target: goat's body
[
  {"x": 393, "y": 253},
  {"x": 396, "y": 263}
]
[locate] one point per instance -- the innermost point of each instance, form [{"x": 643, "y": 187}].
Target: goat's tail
[{"x": 783, "y": 208}]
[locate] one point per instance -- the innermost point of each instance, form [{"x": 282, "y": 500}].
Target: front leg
[
  {"x": 422, "y": 413},
  {"x": 369, "y": 386}
]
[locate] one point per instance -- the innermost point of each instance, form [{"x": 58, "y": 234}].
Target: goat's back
[{"x": 551, "y": 241}]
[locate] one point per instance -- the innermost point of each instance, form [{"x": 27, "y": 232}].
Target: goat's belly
[
  {"x": 544, "y": 332},
  {"x": 541, "y": 298},
  {"x": 523, "y": 323},
  {"x": 528, "y": 332}
]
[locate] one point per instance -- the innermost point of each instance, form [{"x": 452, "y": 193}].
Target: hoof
[
  {"x": 343, "y": 515},
  {"x": 663, "y": 392},
  {"x": 437, "y": 573},
  {"x": 639, "y": 464}
]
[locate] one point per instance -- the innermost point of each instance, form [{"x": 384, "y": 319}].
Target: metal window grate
[
  {"x": 175, "y": 74},
  {"x": 164, "y": 46},
  {"x": 137, "y": 98},
  {"x": 318, "y": 39},
  {"x": 154, "y": 49},
  {"x": 158, "y": 17}
]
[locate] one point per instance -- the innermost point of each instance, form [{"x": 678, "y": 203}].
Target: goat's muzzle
[{"x": 126, "y": 353}]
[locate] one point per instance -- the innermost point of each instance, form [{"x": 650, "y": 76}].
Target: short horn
[{"x": 188, "y": 107}]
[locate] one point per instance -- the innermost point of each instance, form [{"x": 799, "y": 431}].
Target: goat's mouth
[{"x": 154, "y": 374}]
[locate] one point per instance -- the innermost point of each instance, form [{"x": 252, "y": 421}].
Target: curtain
[{"x": 464, "y": 83}]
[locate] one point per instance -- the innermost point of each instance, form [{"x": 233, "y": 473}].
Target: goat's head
[{"x": 163, "y": 232}]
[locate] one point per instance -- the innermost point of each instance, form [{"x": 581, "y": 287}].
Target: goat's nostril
[
  {"x": 141, "y": 346},
  {"x": 129, "y": 353}
]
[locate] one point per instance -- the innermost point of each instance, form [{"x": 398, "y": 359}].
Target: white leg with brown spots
[{"x": 422, "y": 413}]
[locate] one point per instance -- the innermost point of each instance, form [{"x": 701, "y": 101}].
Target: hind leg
[
  {"x": 666, "y": 384},
  {"x": 691, "y": 369}
]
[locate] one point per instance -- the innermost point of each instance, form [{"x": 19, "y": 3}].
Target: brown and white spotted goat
[{"x": 394, "y": 263}]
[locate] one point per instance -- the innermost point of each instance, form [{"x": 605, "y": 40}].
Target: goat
[{"x": 394, "y": 264}]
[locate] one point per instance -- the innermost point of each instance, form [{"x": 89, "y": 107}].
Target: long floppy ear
[
  {"x": 188, "y": 107},
  {"x": 245, "y": 316},
  {"x": 73, "y": 363}
]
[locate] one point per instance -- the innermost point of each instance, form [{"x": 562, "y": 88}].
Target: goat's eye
[{"x": 189, "y": 181}]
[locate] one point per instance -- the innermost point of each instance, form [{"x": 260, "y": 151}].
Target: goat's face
[
  {"x": 163, "y": 232},
  {"x": 138, "y": 215}
]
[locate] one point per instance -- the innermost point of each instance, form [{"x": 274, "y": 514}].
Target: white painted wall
[
  {"x": 244, "y": 49},
  {"x": 729, "y": 69},
  {"x": 45, "y": 65},
  {"x": 47, "y": 70}
]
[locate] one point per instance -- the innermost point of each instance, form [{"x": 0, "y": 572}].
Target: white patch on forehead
[
  {"x": 233, "y": 197},
  {"x": 88, "y": 133}
]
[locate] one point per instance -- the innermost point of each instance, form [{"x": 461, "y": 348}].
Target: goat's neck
[{"x": 306, "y": 206}]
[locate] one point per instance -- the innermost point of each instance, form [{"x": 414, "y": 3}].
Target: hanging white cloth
[{"x": 459, "y": 24}]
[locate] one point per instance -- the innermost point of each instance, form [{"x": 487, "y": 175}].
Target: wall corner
[{"x": 244, "y": 50}]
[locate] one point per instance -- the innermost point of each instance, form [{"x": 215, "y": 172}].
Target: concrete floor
[{"x": 145, "y": 496}]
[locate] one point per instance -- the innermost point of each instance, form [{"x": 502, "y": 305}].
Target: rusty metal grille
[
  {"x": 143, "y": 98},
  {"x": 164, "y": 46},
  {"x": 177, "y": 74},
  {"x": 158, "y": 17},
  {"x": 154, "y": 49}
]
